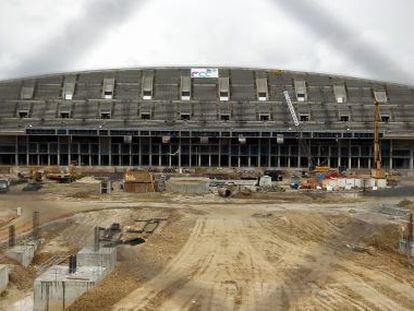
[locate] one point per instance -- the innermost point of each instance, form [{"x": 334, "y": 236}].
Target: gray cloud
[
  {"x": 61, "y": 51},
  {"x": 341, "y": 38}
]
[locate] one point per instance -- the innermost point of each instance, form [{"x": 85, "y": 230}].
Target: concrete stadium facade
[{"x": 203, "y": 117}]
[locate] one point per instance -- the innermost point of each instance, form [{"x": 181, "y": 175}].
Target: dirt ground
[{"x": 285, "y": 251}]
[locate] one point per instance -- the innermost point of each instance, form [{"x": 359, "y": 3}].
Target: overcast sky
[{"x": 365, "y": 38}]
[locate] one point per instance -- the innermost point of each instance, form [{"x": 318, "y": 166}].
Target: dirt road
[{"x": 236, "y": 261}]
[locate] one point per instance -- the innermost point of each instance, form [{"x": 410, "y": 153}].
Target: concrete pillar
[
  {"x": 349, "y": 154},
  {"x": 219, "y": 153},
  {"x": 339, "y": 153},
  {"x": 159, "y": 154},
  {"x": 58, "y": 152},
  {"x": 69, "y": 151},
  {"x": 359, "y": 157},
  {"x": 412, "y": 157},
  {"x": 289, "y": 156},
  {"x": 278, "y": 156},
  {"x": 4, "y": 277},
  {"x": 169, "y": 157},
  {"x": 16, "y": 153},
  {"x": 229, "y": 154},
  {"x": 179, "y": 152},
  {"x": 391, "y": 152},
  {"x": 259, "y": 153},
  {"x": 27, "y": 150},
  {"x": 140, "y": 151},
  {"x": 90, "y": 154},
  {"x": 99, "y": 151}
]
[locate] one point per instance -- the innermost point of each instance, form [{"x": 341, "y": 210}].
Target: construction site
[{"x": 206, "y": 189}]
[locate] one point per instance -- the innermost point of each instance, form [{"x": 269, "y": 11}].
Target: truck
[{"x": 4, "y": 185}]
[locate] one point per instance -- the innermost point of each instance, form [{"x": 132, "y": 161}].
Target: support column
[
  {"x": 169, "y": 156},
  {"x": 238, "y": 157},
  {"x": 16, "y": 153},
  {"x": 219, "y": 153},
  {"x": 69, "y": 149},
  {"x": 259, "y": 153},
  {"x": 27, "y": 150},
  {"x": 90, "y": 154},
  {"x": 278, "y": 156},
  {"x": 269, "y": 153},
  {"x": 329, "y": 156},
  {"x": 190, "y": 151},
  {"x": 58, "y": 151},
  {"x": 110, "y": 151},
  {"x": 289, "y": 154},
  {"x": 130, "y": 154},
  {"x": 349, "y": 155},
  {"x": 48, "y": 154},
  {"x": 99, "y": 151},
  {"x": 391, "y": 154},
  {"x": 412, "y": 157},
  {"x": 150, "y": 151},
  {"x": 249, "y": 155},
  {"x": 229, "y": 154},
  {"x": 179, "y": 152},
  {"x": 339, "y": 153},
  {"x": 140, "y": 151}
]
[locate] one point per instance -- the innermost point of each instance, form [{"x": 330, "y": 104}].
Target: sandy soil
[
  {"x": 288, "y": 251},
  {"x": 286, "y": 260}
]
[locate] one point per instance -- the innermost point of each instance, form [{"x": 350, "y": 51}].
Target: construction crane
[
  {"x": 377, "y": 172},
  {"x": 303, "y": 146}
]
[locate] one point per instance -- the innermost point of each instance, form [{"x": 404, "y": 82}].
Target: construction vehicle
[
  {"x": 36, "y": 175},
  {"x": 65, "y": 176},
  {"x": 4, "y": 185},
  {"x": 377, "y": 171}
]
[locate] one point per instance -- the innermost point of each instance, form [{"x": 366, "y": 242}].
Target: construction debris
[{"x": 4, "y": 277}]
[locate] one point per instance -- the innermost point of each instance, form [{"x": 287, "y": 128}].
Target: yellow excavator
[{"x": 65, "y": 177}]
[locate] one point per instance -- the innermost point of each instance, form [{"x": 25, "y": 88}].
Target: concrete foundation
[
  {"x": 56, "y": 289},
  {"x": 103, "y": 257},
  {"x": 406, "y": 248},
  {"x": 188, "y": 185},
  {"x": 23, "y": 254},
  {"x": 4, "y": 277}
]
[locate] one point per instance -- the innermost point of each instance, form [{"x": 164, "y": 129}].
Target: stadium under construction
[{"x": 204, "y": 117}]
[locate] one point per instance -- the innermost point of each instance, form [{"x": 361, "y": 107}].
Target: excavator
[{"x": 65, "y": 177}]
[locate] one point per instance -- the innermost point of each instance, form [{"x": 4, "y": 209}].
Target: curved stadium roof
[{"x": 183, "y": 98}]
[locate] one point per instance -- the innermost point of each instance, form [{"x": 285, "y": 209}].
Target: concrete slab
[
  {"x": 4, "y": 277},
  {"x": 56, "y": 289},
  {"x": 104, "y": 257},
  {"x": 406, "y": 247},
  {"x": 23, "y": 254}
]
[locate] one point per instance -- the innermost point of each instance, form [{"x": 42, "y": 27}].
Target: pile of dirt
[
  {"x": 88, "y": 180},
  {"x": 405, "y": 203},
  {"x": 385, "y": 237}
]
